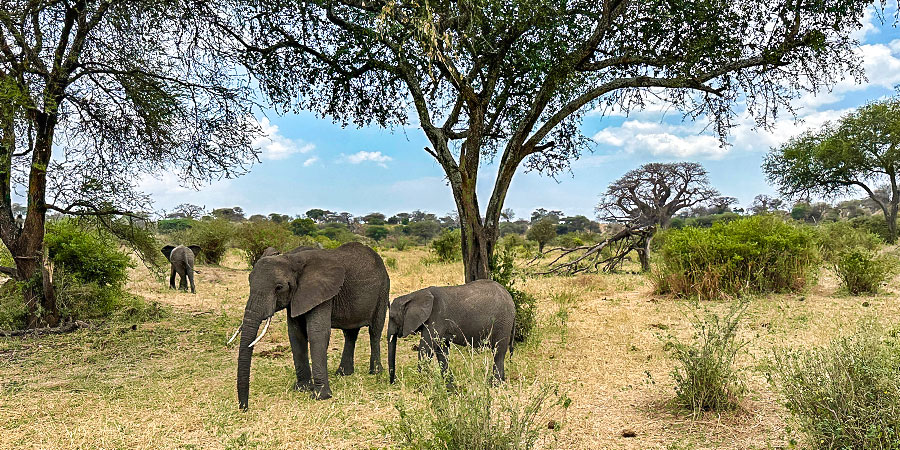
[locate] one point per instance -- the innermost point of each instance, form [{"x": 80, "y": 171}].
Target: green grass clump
[
  {"x": 759, "y": 254},
  {"x": 469, "y": 413},
  {"x": 854, "y": 255},
  {"x": 845, "y": 395},
  {"x": 705, "y": 376}
]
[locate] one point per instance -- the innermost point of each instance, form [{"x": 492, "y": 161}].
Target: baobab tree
[
  {"x": 510, "y": 81},
  {"x": 116, "y": 89},
  {"x": 644, "y": 200}
]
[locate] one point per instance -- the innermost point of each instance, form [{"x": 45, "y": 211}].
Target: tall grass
[
  {"x": 469, "y": 412},
  {"x": 705, "y": 376},
  {"x": 845, "y": 395},
  {"x": 758, "y": 254}
]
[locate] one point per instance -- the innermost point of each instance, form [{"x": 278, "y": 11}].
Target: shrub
[
  {"x": 89, "y": 270},
  {"x": 88, "y": 256},
  {"x": 213, "y": 236},
  {"x": 846, "y": 394},
  {"x": 448, "y": 246},
  {"x": 169, "y": 225},
  {"x": 863, "y": 271},
  {"x": 398, "y": 242},
  {"x": 853, "y": 255},
  {"x": 12, "y": 308},
  {"x": 303, "y": 227},
  {"x": 473, "y": 414},
  {"x": 756, "y": 254},
  {"x": 391, "y": 262},
  {"x": 254, "y": 237},
  {"x": 875, "y": 224},
  {"x": 377, "y": 232},
  {"x": 705, "y": 377},
  {"x": 503, "y": 271}
]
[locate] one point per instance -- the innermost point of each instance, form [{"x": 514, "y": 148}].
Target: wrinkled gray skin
[
  {"x": 477, "y": 313},
  {"x": 182, "y": 260},
  {"x": 345, "y": 288}
]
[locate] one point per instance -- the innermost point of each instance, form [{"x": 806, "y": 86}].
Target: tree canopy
[
  {"x": 116, "y": 89},
  {"x": 509, "y": 81},
  {"x": 860, "y": 152}
]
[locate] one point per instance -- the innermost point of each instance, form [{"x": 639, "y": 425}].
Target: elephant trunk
[
  {"x": 248, "y": 333},
  {"x": 392, "y": 355}
]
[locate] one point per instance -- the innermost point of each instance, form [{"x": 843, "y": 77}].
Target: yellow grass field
[{"x": 170, "y": 382}]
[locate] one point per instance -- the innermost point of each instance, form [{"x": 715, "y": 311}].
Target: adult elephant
[
  {"x": 182, "y": 260},
  {"x": 345, "y": 288}
]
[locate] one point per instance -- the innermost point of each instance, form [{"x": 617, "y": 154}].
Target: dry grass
[{"x": 170, "y": 384}]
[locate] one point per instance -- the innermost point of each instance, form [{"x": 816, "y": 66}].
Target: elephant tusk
[
  {"x": 268, "y": 321},
  {"x": 392, "y": 338},
  {"x": 236, "y": 332}
]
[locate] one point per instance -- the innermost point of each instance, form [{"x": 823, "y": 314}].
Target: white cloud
[
  {"x": 363, "y": 156},
  {"x": 274, "y": 146},
  {"x": 310, "y": 161},
  {"x": 661, "y": 139}
]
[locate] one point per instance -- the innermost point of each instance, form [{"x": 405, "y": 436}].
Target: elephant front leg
[
  {"x": 425, "y": 351},
  {"x": 318, "y": 331},
  {"x": 300, "y": 351},
  {"x": 346, "y": 366}
]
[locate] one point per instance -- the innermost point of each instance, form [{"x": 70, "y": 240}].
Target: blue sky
[{"x": 312, "y": 163}]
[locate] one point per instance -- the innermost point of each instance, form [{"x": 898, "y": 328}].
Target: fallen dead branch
[
  {"x": 591, "y": 258},
  {"x": 62, "y": 329}
]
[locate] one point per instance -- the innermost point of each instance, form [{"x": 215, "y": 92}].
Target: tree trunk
[{"x": 644, "y": 255}]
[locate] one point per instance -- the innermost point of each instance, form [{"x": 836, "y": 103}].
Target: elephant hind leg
[
  {"x": 172, "y": 278},
  {"x": 190, "y": 275},
  {"x": 499, "y": 357},
  {"x": 346, "y": 366},
  {"x": 375, "y": 330}
]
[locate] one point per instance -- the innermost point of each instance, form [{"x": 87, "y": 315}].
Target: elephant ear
[
  {"x": 416, "y": 311},
  {"x": 195, "y": 249},
  {"x": 319, "y": 278},
  {"x": 167, "y": 250}
]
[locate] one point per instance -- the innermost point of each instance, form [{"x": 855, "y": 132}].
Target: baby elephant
[
  {"x": 472, "y": 314},
  {"x": 182, "y": 259}
]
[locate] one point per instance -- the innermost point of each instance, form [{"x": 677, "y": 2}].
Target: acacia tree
[
  {"x": 648, "y": 197},
  {"x": 509, "y": 81},
  {"x": 95, "y": 93},
  {"x": 861, "y": 151}
]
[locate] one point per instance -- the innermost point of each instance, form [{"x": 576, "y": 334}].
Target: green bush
[
  {"x": 170, "y": 225},
  {"x": 212, "y": 235},
  {"x": 503, "y": 271},
  {"x": 864, "y": 272},
  {"x": 377, "y": 232},
  {"x": 845, "y": 395},
  {"x": 398, "y": 242},
  {"x": 254, "y": 237},
  {"x": 303, "y": 227},
  {"x": 88, "y": 256},
  {"x": 756, "y": 254},
  {"x": 472, "y": 414},
  {"x": 875, "y": 224},
  {"x": 89, "y": 271},
  {"x": 853, "y": 254},
  {"x": 448, "y": 246},
  {"x": 12, "y": 306},
  {"x": 705, "y": 377}
]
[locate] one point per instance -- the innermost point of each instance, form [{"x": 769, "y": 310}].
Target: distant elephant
[
  {"x": 182, "y": 259},
  {"x": 476, "y": 313},
  {"x": 346, "y": 288}
]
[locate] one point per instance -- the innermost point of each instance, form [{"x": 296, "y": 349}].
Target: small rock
[
  {"x": 865, "y": 304},
  {"x": 134, "y": 327},
  {"x": 629, "y": 433},
  {"x": 552, "y": 424}
]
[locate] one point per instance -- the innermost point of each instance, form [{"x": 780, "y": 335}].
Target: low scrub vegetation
[
  {"x": 856, "y": 258},
  {"x": 705, "y": 376},
  {"x": 254, "y": 237},
  {"x": 469, "y": 413},
  {"x": 447, "y": 246},
  {"x": 758, "y": 254},
  {"x": 504, "y": 272},
  {"x": 846, "y": 394},
  {"x": 214, "y": 236}
]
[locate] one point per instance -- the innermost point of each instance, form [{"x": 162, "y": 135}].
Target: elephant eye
[{"x": 279, "y": 287}]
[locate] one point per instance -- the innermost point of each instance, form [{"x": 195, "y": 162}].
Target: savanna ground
[{"x": 169, "y": 382}]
